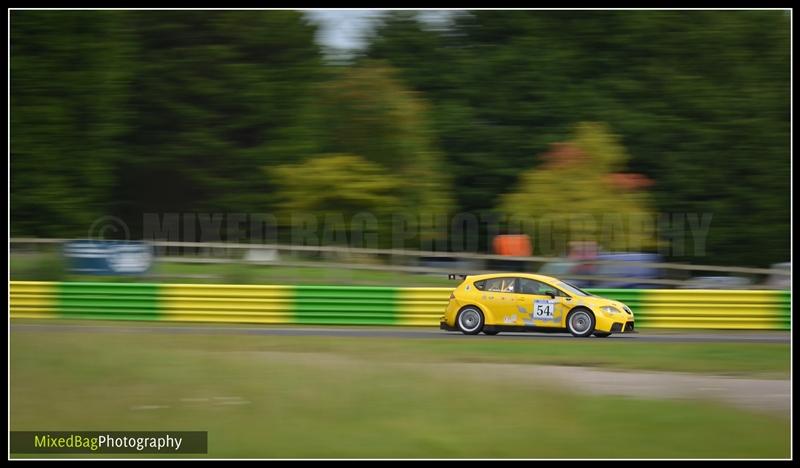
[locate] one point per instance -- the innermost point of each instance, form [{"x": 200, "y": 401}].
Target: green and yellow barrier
[
  {"x": 30, "y": 299},
  {"x": 227, "y": 303},
  {"x": 362, "y": 305}
]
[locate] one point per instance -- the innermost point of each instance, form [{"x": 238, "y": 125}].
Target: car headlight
[{"x": 610, "y": 310}]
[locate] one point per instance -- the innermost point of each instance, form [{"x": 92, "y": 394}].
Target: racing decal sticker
[
  {"x": 548, "y": 312},
  {"x": 543, "y": 309}
]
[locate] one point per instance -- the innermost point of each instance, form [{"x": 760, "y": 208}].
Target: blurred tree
[
  {"x": 366, "y": 111},
  {"x": 701, "y": 99},
  {"x": 329, "y": 190},
  {"x": 165, "y": 111},
  {"x": 580, "y": 200},
  {"x": 217, "y": 96},
  {"x": 336, "y": 183},
  {"x": 69, "y": 75}
]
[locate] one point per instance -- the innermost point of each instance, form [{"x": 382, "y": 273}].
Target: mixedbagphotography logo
[
  {"x": 71, "y": 442},
  {"x": 108, "y": 227},
  {"x": 665, "y": 233}
]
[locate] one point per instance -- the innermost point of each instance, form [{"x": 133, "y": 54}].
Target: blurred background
[{"x": 677, "y": 118}]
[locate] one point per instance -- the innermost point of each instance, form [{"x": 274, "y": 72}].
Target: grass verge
[{"x": 256, "y": 399}]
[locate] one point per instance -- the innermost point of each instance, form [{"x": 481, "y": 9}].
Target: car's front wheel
[
  {"x": 580, "y": 323},
  {"x": 470, "y": 321}
]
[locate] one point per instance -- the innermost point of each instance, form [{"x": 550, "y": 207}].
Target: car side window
[
  {"x": 480, "y": 285},
  {"x": 547, "y": 289},
  {"x": 529, "y": 286},
  {"x": 494, "y": 285},
  {"x": 506, "y": 285}
]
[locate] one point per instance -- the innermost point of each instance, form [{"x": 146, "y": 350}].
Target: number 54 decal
[{"x": 543, "y": 309}]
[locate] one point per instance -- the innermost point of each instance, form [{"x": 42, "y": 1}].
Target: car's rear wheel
[
  {"x": 491, "y": 333},
  {"x": 581, "y": 323},
  {"x": 470, "y": 321},
  {"x": 602, "y": 334}
]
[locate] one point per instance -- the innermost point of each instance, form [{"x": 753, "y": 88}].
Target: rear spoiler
[{"x": 453, "y": 276}]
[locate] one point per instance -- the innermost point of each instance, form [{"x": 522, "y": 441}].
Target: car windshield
[{"x": 572, "y": 289}]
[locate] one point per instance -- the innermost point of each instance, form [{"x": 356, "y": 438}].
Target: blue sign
[{"x": 108, "y": 257}]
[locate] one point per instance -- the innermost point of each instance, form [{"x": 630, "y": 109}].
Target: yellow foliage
[{"x": 575, "y": 201}]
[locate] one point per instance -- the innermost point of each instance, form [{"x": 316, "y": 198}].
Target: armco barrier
[{"x": 362, "y": 305}]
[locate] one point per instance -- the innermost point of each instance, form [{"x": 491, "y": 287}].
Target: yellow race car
[{"x": 526, "y": 302}]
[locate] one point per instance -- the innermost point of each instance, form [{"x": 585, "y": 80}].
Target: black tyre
[
  {"x": 470, "y": 321},
  {"x": 580, "y": 322},
  {"x": 490, "y": 333},
  {"x": 602, "y": 334}
]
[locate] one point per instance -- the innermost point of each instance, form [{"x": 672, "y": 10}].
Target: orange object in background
[{"x": 512, "y": 245}]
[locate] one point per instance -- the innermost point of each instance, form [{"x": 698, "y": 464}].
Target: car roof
[{"x": 513, "y": 274}]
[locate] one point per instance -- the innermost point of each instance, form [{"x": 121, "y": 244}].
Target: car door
[
  {"x": 544, "y": 305},
  {"x": 499, "y": 295}
]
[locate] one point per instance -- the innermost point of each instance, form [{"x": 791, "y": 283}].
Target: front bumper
[{"x": 619, "y": 327}]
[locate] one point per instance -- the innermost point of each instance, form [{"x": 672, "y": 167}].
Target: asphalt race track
[{"x": 653, "y": 335}]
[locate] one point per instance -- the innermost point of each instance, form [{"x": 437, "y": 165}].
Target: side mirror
[{"x": 551, "y": 294}]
